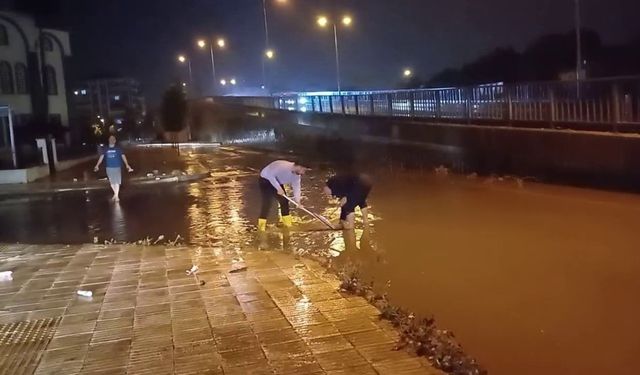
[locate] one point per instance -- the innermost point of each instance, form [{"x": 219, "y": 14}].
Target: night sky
[{"x": 141, "y": 38}]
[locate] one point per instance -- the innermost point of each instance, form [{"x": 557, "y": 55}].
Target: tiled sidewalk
[{"x": 146, "y": 316}]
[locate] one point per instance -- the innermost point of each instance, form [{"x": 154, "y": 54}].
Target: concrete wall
[
  {"x": 580, "y": 157},
  {"x": 23, "y": 176}
]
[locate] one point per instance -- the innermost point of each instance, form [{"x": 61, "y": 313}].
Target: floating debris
[
  {"x": 442, "y": 171},
  {"x": 6, "y": 276},
  {"x": 85, "y": 293},
  {"x": 194, "y": 269},
  {"x": 160, "y": 238},
  {"x": 95, "y": 240},
  {"x": 419, "y": 335}
]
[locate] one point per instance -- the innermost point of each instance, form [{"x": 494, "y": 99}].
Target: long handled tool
[{"x": 320, "y": 218}]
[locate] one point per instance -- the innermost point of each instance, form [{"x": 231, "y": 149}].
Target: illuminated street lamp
[
  {"x": 221, "y": 43},
  {"x": 182, "y": 59},
  {"x": 223, "y": 82},
  {"x": 346, "y": 21},
  {"x": 269, "y": 53},
  {"x": 407, "y": 73}
]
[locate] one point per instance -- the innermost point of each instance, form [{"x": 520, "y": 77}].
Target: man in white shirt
[{"x": 273, "y": 179}]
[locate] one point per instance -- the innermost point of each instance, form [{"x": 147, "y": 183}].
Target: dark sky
[{"x": 142, "y": 38}]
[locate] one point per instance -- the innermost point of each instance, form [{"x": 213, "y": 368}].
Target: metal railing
[{"x": 598, "y": 101}]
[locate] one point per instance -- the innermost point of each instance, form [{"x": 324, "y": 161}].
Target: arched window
[
  {"x": 4, "y": 36},
  {"x": 22, "y": 80},
  {"x": 51, "y": 80},
  {"x": 47, "y": 44},
  {"x": 6, "y": 78}
]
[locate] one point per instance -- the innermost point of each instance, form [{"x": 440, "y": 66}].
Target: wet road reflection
[{"x": 533, "y": 280}]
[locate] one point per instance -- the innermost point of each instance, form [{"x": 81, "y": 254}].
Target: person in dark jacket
[{"x": 353, "y": 190}]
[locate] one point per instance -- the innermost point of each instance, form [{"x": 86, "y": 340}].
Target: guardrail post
[
  {"x": 509, "y": 106},
  {"x": 412, "y": 107},
  {"x": 389, "y": 104},
  {"x": 616, "y": 106},
  {"x": 438, "y": 104},
  {"x": 355, "y": 100},
  {"x": 331, "y": 104},
  {"x": 552, "y": 110},
  {"x": 342, "y": 104},
  {"x": 371, "y": 104},
  {"x": 319, "y": 103},
  {"x": 468, "y": 93}
]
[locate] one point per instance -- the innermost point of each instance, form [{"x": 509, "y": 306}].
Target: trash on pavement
[
  {"x": 194, "y": 269},
  {"x": 6, "y": 276},
  {"x": 85, "y": 293}
]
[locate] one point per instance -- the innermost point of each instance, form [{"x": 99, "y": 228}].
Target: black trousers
[
  {"x": 357, "y": 197},
  {"x": 269, "y": 193}
]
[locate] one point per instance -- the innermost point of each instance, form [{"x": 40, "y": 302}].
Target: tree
[{"x": 174, "y": 110}]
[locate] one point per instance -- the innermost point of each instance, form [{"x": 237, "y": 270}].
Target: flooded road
[{"x": 533, "y": 280}]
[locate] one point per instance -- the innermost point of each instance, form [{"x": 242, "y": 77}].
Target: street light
[
  {"x": 269, "y": 53},
  {"x": 233, "y": 81},
  {"x": 221, "y": 43},
  {"x": 182, "y": 59},
  {"x": 407, "y": 73},
  {"x": 323, "y": 21},
  {"x": 223, "y": 82},
  {"x": 578, "y": 46}
]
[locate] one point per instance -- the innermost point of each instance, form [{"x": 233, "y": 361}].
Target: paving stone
[{"x": 282, "y": 316}]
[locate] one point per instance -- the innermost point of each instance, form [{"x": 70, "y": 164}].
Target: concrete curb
[{"x": 48, "y": 189}]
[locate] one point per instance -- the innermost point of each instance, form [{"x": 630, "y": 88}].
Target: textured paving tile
[{"x": 147, "y": 317}]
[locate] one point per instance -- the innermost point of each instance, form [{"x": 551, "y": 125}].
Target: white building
[{"x": 32, "y": 73}]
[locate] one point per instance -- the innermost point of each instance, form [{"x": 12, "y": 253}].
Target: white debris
[
  {"x": 85, "y": 293},
  {"x": 95, "y": 240},
  {"x": 160, "y": 238},
  {"x": 194, "y": 269},
  {"x": 157, "y": 178},
  {"x": 150, "y": 175},
  {"x": 75, "y": 180},
  {"x": 6, "y": 276}
]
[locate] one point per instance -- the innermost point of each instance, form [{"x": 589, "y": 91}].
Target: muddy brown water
[{"x": 533, "y": 279}]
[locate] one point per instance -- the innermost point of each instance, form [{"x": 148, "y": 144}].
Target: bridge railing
[{"x": 598, "y": 101}]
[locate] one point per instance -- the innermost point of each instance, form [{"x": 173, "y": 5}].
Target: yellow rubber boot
[
  {"x": 286, "y": 221},
  {"x": 262, "y": 225}
]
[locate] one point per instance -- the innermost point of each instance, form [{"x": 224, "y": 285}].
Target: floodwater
[{"x": 533, "y": 279}]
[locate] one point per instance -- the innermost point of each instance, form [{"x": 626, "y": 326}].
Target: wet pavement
[
  {"x": 146, "y": 315},
  {"x": 531, "y": 278}
]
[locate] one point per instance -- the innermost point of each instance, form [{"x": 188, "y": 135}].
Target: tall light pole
[
  {"x": 323, "y": 21},
  {"x": 221, "y": 43},
  {"x": 185, "y": 60},
  {"x": 578, "y": 46},
  {"x": 269, "y": 53}
]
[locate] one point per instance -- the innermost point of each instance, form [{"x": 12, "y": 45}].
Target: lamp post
[
  {"x": 182, "y": 59},
  {"x": 269, "y": 53},
  {"x": 346, "y": 21},
  {"x": 221, "y": 43},
  {"x": 578, "y": 46}
]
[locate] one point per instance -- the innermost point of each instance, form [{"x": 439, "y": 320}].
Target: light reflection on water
[{"x": 496, "y": 264}]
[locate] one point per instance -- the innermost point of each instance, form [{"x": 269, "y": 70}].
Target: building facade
[
  {"x": 116, "y": 100},
  {"x": 32, "y": 75}
]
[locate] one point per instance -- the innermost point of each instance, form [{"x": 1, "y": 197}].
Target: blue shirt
[{"x": 113, "y": 157}]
